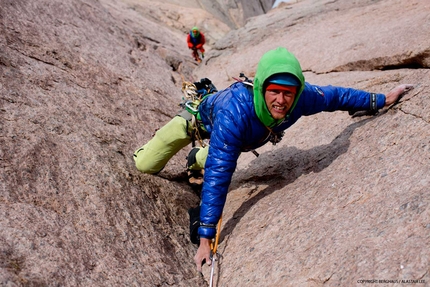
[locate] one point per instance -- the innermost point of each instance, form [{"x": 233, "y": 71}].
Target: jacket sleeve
[
  {"x": 224, "y": 150},
  {"x": 189, "y": 43},
  {"x": 316, "y": 99}
]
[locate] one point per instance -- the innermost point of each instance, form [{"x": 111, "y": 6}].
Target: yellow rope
[{"x": 214, "y": 245}]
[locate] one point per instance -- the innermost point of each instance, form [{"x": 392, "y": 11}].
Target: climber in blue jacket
[
  {"x": 244, "y": 117},
  {"x": 241, "y": 118}
]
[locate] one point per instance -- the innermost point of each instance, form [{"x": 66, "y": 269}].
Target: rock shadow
[{"x": 270, "y": 168}]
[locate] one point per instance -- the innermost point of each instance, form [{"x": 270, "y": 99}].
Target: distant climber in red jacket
[{"x": 195, "y": 41}]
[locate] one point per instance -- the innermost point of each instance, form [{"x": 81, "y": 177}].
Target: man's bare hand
[
  {"x": 203, "y": 253},
  {"x": 393, "y": 96}
]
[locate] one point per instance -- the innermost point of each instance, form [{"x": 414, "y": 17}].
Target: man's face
[{"x": 279, "y": 102}]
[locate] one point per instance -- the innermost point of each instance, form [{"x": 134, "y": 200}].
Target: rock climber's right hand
[{"x": 203, "y": 253}]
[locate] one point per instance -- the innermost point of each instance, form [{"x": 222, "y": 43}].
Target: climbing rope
[{"x": 214, "y": 246}]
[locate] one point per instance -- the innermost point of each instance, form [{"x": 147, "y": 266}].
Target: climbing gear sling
[{"x": 194, "y": 93}]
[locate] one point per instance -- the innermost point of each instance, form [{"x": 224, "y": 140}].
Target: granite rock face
[
  {"x": 84, "y": 83},
  {"x": 234, "y": 13}
]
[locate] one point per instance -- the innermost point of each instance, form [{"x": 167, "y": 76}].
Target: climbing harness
[{"x": 214, "y": 254}]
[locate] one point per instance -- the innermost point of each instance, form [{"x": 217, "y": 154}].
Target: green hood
[{"x": 273, "y": 62}]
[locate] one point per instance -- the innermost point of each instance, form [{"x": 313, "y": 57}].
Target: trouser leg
[
  {"x": 168, "y": 140},
  {"x": 195, "y": 165},
  {"x": 197, "y": 158}
]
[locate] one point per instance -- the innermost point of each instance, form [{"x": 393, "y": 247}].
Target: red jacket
[{"x": 197, "y": 42}]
